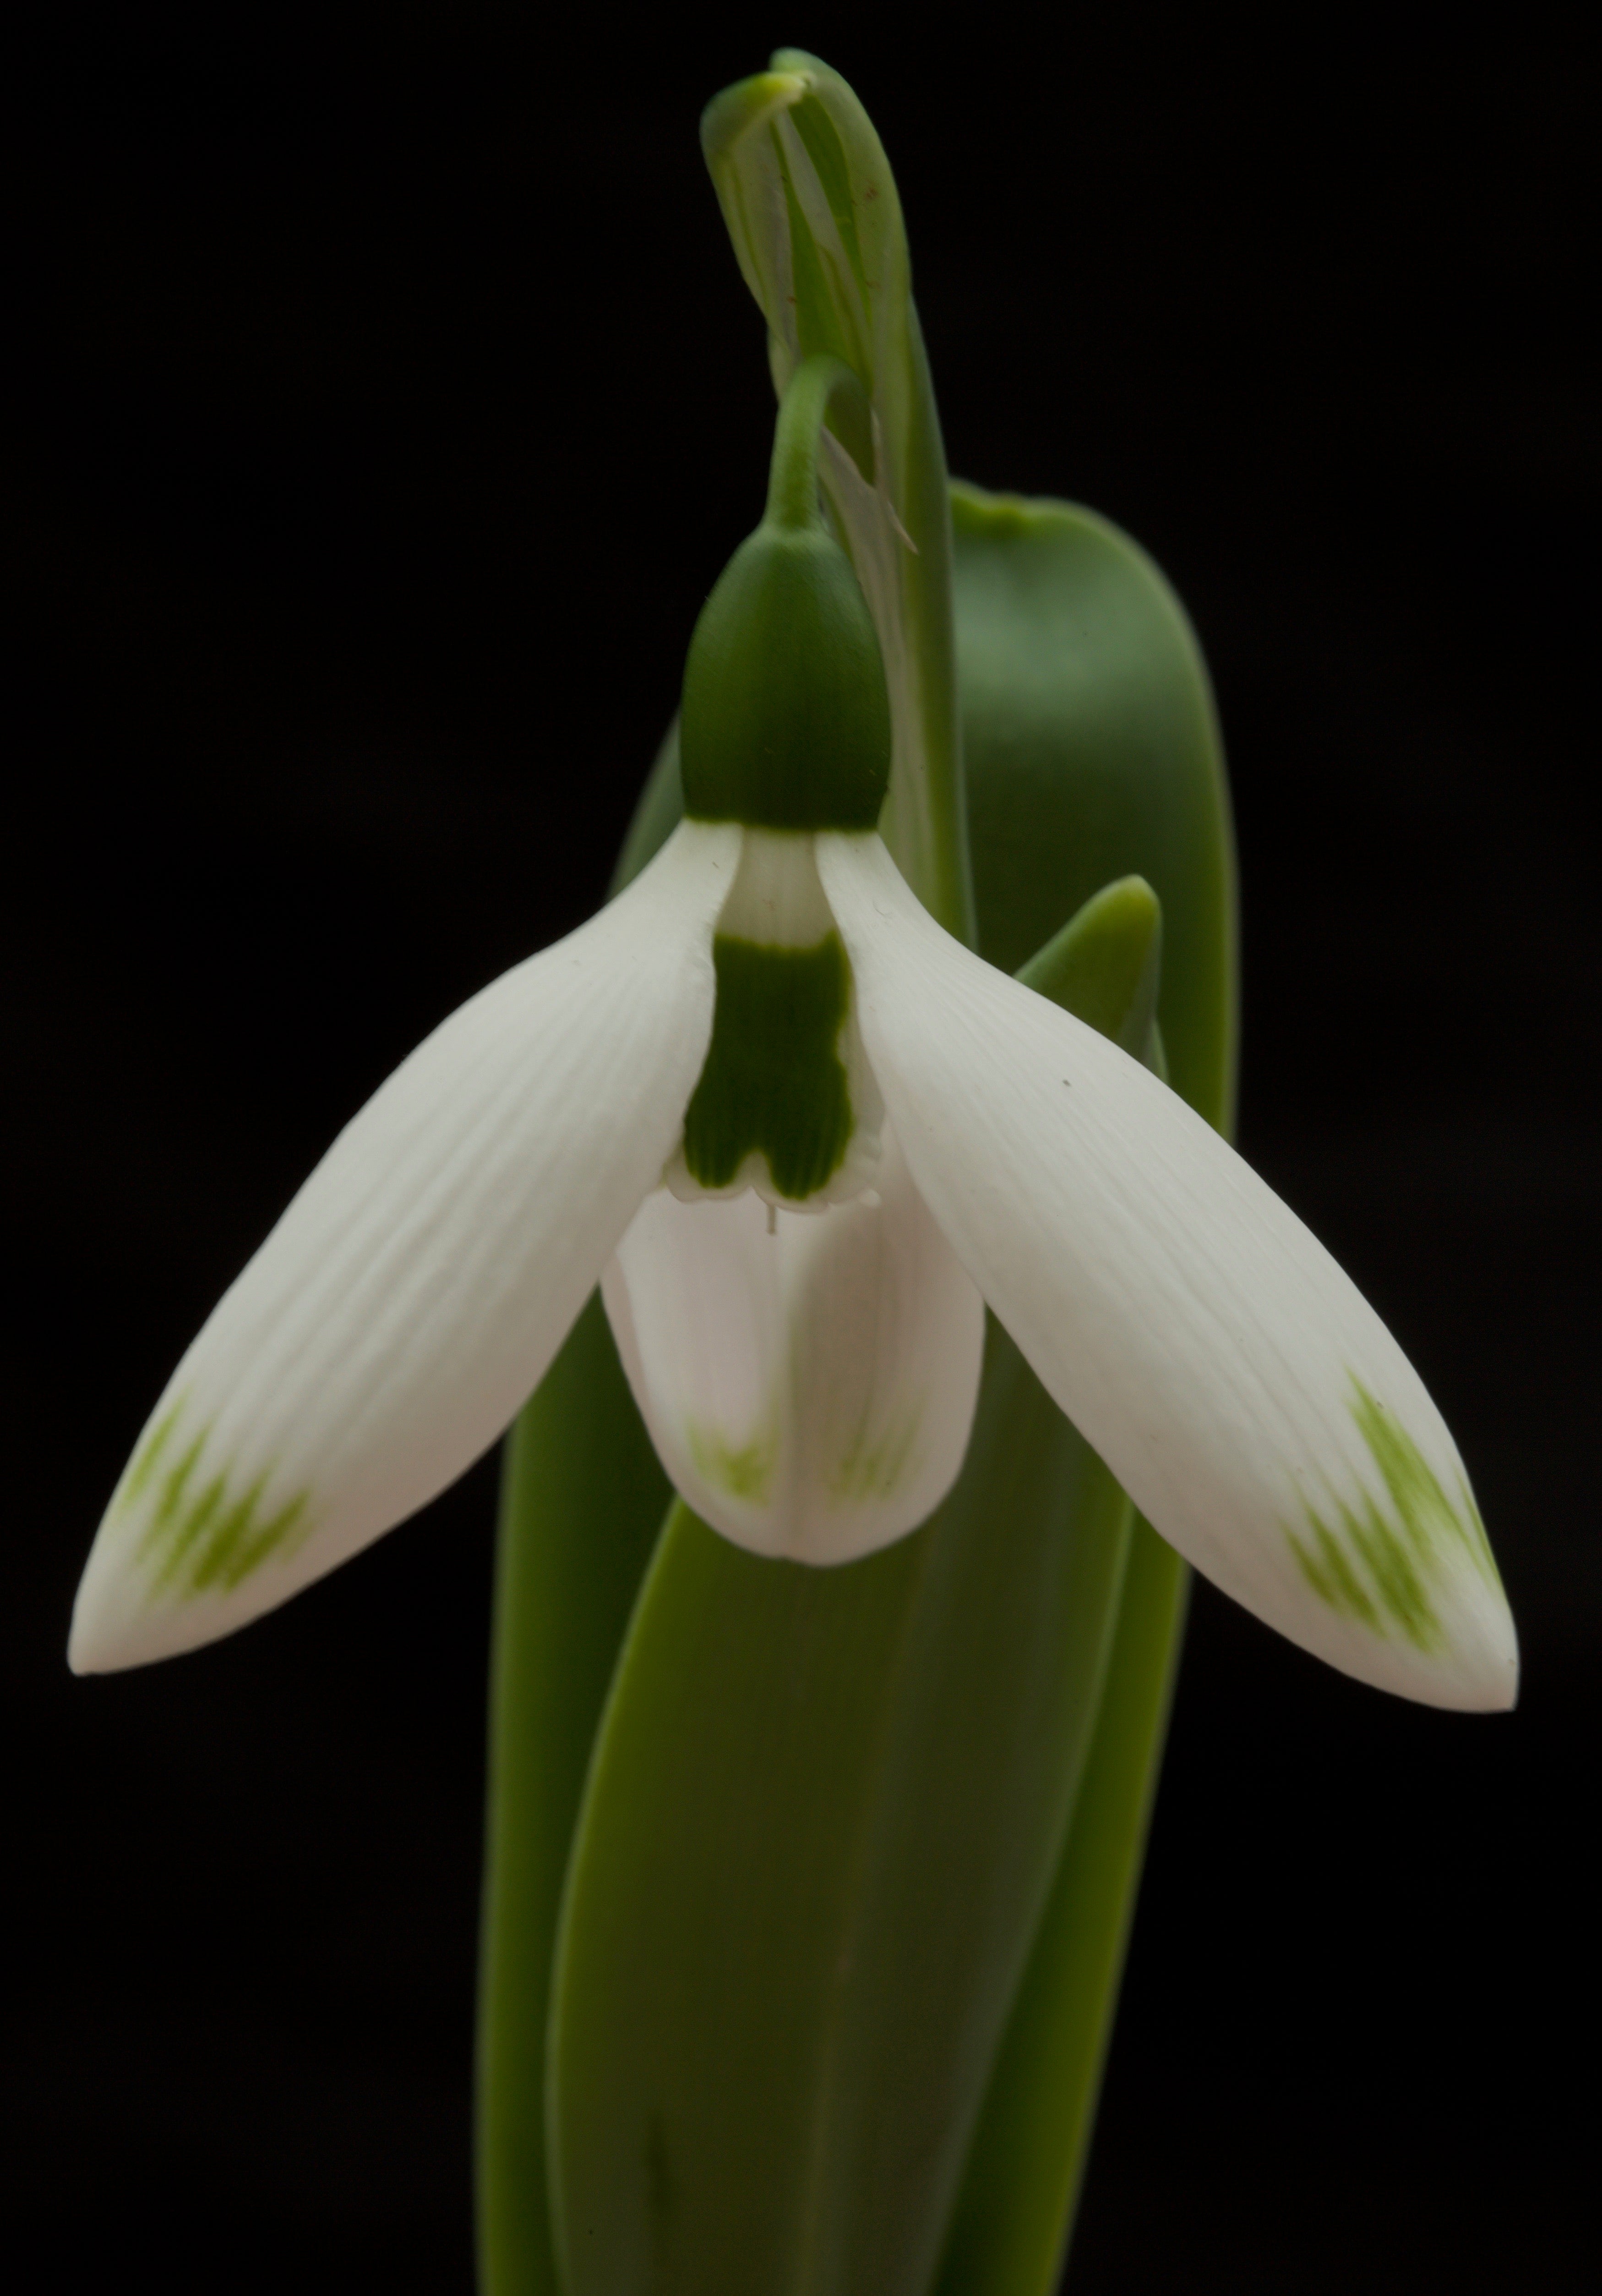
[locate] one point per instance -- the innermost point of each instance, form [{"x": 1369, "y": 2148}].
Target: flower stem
[{"x": 822, "y": 389}]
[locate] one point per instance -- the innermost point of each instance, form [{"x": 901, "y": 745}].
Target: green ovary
[{"x": 773, "y": 1083}]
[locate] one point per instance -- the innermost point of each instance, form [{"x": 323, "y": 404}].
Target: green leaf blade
[
  {"x": 582, "y": 1501},
  {"x": 1093, "y": 753},
  {"x": 823, "y": 1820},
  {"x": 1027, "y": 2163}
]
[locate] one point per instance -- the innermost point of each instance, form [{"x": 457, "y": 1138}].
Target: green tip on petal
[
  {"x": 1385, "y": 1562},
  {"x": 774, "y": 1084}
]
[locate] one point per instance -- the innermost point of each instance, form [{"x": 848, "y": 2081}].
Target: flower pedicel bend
[{"x": 800, "y": 1135}]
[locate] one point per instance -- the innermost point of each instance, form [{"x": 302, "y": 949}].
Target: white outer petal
[
  {"x": 810, "y": 1391},
  {"x": 1193, "y": 1331},
  {"x": 418, "y": 1285}
]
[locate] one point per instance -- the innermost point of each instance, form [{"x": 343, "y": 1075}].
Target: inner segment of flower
[{"x": 787, "y": 1103}]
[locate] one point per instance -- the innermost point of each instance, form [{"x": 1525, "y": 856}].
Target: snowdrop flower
[{"x": 801, "y": 1136}]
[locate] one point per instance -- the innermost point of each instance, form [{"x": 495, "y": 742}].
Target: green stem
[{"x": 822, "y": 389}]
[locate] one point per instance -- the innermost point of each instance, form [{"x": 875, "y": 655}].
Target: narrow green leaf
[
  {"x": 821, "y": 1825},
  {"x": 582, "y": 1500},
  {"x": 1011, "y": 2223},
  {"x": 1093, "y": 749}
]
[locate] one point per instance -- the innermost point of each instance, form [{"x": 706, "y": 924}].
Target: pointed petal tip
[
  {"x": 416, "y": 1288},
  {"x": 1459, "y": 1653},
  {"x": 1487, "y": 1672},
  {"x": 97, "y": 1642},
  {"x": 1479, "y": 1682},
  {"x": 116, "y": 1626},
  {"x": 1230, "y": 1375},
  {"x": 1488, "y": 1684},
  {"x": 90, "y": 1651}
]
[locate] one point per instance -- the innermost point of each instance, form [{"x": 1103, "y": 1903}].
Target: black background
[{"x": 391, "y": 401}]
